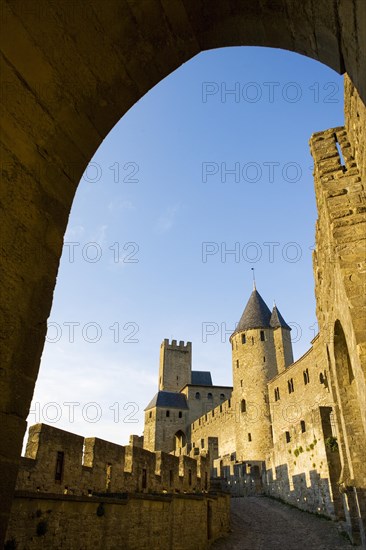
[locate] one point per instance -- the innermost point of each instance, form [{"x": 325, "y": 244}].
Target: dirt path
[{"x": 260, "y": 523}]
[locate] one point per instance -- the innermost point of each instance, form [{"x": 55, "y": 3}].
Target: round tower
[{"x": 254, "y": 364}]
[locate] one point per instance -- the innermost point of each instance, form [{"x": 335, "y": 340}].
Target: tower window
[
  {"x": 241, "y": 383},
  {"x": 306, "y": 376},
  {"x": 59, "y": 466},
  {"x": 209, "y": 395},
  {"x": 180, "y": 414},
  {"x": 262, "y": 335},
  {"x": 290, "y": 385},
  {"x": 144, "y": 478},
  {"x": 243, "y": 406},
  {"x": 167, "y": 414},
  {"x": 264, "y": 358},
  {"x": 198, "y": 395},
  {"x": 277, "y": 394},
  {"x": 237, "y": 363},
  {"x": 288, "y": 437},
  {"x": 303, "y": 426},
  {"x": 243, "y": 339},
  {"x": 202, "y": 443},
  {"x": 252, "y": 340},
  {"x": 249, "y": 437},
  {"x": 222, "y": 396},
  {"x": 150, "y": 414}
]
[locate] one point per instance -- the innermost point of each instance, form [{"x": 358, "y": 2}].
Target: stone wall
[
  {"x": 139, "y": 522},
  {"x": 218, "y": 423},
  {"x": 301, "y": 469},
  {"x": 60, "y": 462}
]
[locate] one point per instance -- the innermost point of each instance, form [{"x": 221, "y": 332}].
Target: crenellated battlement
[
  {"x": 61, "y": 462},
  {"x": 173, "y": 345}
]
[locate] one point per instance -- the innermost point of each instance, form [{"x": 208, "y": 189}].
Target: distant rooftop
[
  {"x": 201, "y": 378},
  {"x": 168, "y": 399}
]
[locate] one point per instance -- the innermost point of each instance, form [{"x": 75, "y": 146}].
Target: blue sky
[{"x": 191, "y": 172}]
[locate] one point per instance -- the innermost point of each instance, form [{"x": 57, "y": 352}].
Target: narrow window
[
  {"x": 237, "y": 363},
  {"x": 243, "y": 406},
  {"x": 198, "y": 395},
  {"x": 222, "y": 396},
  {"x": 167, "y": 414},
  {"x": 180, "y": 414},
  {"x": 288, "y": 437},
  {"x": 144, "y": 478},
  {"x": 190, "y": 477},
  {"x": 262, "y": 335},
  {"x": 209, "y": 395},
  {"x": 202, "y": 443},
  {"x": 220, "y": 408},
  {"x": 229, "y": 403},
  {"x": 303, "y": 427},
  {"x": 306, "y": 376},
  {"x": 150, "y": 414},
  {"x": 243, "y": 339},
  {"x": 264, "y": 359},
  {"x": 252, "y": 340},
  {"x": 108, "y": 477},
  {"x": 249, "y": 437},
  {"x": 241, "y": 383},
  {"x": 213, "y": 412},
  {"x": 290, "y": 384},
  {"x": 59, "y": 465},
  {"x": 171, "y": 477},
  {"x": 277, "y": 394}
]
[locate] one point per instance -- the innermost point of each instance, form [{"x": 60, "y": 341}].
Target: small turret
[{"x": 282, "y": 340}]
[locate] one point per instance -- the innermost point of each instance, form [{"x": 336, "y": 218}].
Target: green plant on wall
[{"x": 332, "y": 444}]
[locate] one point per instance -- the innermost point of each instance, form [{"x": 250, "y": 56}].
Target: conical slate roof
[
  {"x": 256, "y": 313},
  {"x": 277, "y": 320}
]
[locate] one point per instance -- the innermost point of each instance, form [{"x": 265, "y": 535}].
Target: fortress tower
[
  {"x": 175, "y": 365},
  {"x": 282, "y": 340},
  {"x": 259, "y": 343}
]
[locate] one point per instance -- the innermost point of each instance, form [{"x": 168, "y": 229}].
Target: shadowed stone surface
[{"x": 260, "y": 523}]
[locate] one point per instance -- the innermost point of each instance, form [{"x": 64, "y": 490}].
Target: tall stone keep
[
  {"x": 175, "y": 365},
  {"x": 254, "y": 362}
]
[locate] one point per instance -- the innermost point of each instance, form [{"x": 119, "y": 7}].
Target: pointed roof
[
  {"x": 277, "y": 320},
  {"x": 256, "y": 313}
]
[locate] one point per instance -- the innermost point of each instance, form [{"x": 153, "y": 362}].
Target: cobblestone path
[{"x": 260, "y": 523}]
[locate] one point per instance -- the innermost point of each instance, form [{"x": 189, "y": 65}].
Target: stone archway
[
  {"x": 70, "y": 72},
  {"x": 180, "y": 440}
]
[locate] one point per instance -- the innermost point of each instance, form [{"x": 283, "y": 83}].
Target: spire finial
[
  {"x": 274, "y": 302},
  {"x": 254, "y": 287}
]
